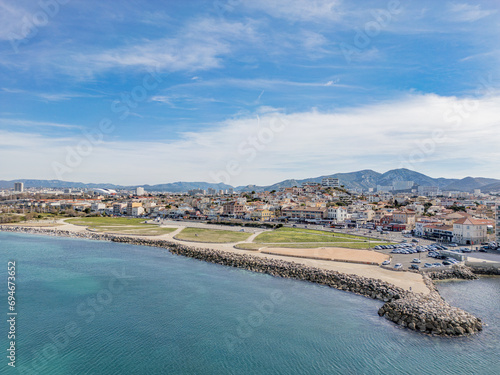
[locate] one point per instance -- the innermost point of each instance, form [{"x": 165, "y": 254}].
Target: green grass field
[
  {"x": 291, "y": 235},
  {"x": 120, "y": 225},
  {"x": 307, "y": 238},
  {"x": 97, "y": 221},
  {"x": 311, "y": 245},
  {"x": 211, "y": 235}
]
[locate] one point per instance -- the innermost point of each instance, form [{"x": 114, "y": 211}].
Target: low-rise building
[
  {"x": 131, "y": 206},
  {"x": 233, "y": 209},
  {"x": 137, "y": 211},
  {"x": 470, "y": 231},
  {"x": 305, "y": 213},
  {"x": 337, "y": 214},
  {"x": 262, "y": 214}
]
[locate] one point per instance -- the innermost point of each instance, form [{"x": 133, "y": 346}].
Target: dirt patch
[{"x": 331, "y": 253}]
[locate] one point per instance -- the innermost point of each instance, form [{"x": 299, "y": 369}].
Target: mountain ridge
[{"x": 363, "y": 179}]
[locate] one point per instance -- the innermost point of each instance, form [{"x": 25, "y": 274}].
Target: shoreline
[{"x": 419, "y": 312}]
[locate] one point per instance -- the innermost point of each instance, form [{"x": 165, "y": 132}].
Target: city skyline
[{"x": 247, "y": 92}]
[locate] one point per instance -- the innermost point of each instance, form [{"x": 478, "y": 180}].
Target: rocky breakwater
[
  {"x": 54, "y": 232},
  {"x": 456, "y": 272},
  {"x": 431, "y": 314}
]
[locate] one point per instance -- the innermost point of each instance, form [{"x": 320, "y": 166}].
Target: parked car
[
  {"x": 414, "y": 267},
  {"x": 386, "y": 262},
  {"x": 414, "y": 240},
  {"x": 398, "y": 266},
  {"x": 416, "y": 260},
  {"x": 428, "y": 265}
]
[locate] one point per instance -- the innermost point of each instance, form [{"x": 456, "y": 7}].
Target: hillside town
[{"x": 464, "y": 218}]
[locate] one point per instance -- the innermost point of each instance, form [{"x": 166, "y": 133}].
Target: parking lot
[{"x": 419, "y": 258}]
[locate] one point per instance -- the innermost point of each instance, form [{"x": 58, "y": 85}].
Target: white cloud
[
  {"x": 200, "y": 45},
  {"x": 51, "y": 97},
  {"x": 428, "y": 130},
  {"x": 463, "y": 12},
  {"x": 11, "y": 123},
  {"x": 298, "y": 10}
]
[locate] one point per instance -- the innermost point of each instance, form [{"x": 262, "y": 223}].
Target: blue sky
[{"x": 247, "y": 92}]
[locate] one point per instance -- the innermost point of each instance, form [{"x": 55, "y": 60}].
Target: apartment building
[
  {"x": 262, "y": 214},
  {"x": 470, "y": 231},
  {"x": 305, "y": 213},
  {"x": 118, "y": 208},
  {"x": 131, "y": 206},
  {"x": 233, "y": 209},
  {"x": 338, "y": 214},
  {"x": 330, "y": 182}
]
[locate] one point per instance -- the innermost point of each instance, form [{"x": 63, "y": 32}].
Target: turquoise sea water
[{"x": 87, "y": 307}]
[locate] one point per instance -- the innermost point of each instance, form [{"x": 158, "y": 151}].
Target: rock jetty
[
  {"x": 427, "y": 314},
  {"x": 456, "y": 272}
]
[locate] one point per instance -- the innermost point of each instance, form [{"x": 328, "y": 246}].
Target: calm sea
[{"x": 88, "y": 307}]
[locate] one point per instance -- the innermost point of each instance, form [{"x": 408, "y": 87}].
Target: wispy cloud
[
  {"x": 13, "y": 123},
  {"x": 298, "y": 10},
  {"x": 463, "y": 12},
  {"x": 50, "y": 97},
  {"x": 199, "y": 46}
]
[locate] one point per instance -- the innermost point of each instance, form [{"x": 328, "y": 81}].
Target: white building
[
  {"x": 18, "y": 187},
  {"x": 330, "y": 182},
  {"x": 402, "y": 185},
  {"x": 137, "y": 211},
  {"x": 139, "y": 191},
  {"x": 470, "y": 231},
  {"x": 97, "y": 207},
  {"x": 384, "y": 189},
  {"x": 429, "y": 191},
  {"x": 338, "y": 214}
]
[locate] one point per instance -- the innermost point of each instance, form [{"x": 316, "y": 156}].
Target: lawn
[
  {"x": 292, "y": 235},
  {"x": 120, "y": 225},
  {"x": 311, "y": 245},
  {"x": 98, "y": 221},
  {"x": 211, "y": 235}
]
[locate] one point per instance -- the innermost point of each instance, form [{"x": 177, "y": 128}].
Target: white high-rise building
[
  {"x": 18, "y": 187},
  {"x": 402, "y": 185},
  {"x": 139, "y": 191},
  {"x": 330, "y": 182}
]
